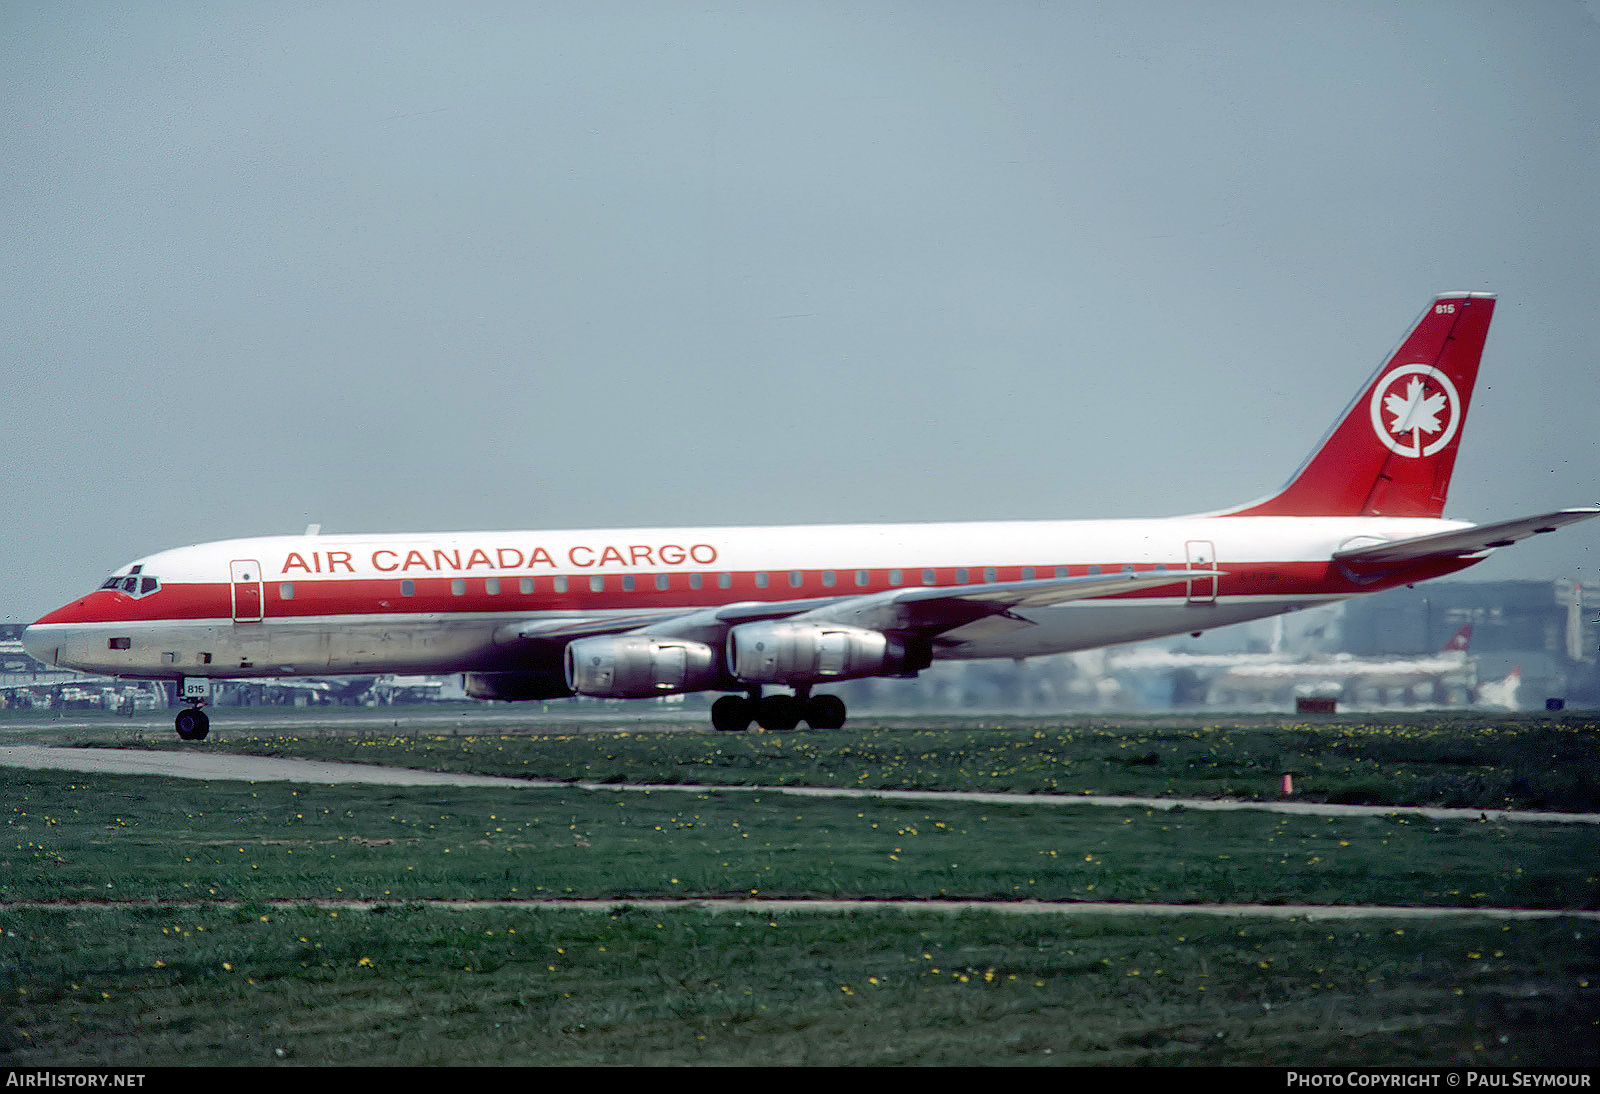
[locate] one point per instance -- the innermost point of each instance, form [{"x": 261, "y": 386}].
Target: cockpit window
[{"x": 133, "y": 584}]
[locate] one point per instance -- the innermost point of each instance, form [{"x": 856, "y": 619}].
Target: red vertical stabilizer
[{"x": 1391, "y": 452}]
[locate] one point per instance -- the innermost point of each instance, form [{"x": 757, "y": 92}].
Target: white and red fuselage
[
  {"x": 631, "y": 613},
  {"x": 337, "y": 605}
]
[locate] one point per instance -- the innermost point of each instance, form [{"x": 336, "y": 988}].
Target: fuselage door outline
[
  {"x": 1202, "y": 555},
  {"x": 246, "y": 585}
]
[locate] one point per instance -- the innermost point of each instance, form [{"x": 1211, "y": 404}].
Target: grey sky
[{"x": 420, "y": 266}]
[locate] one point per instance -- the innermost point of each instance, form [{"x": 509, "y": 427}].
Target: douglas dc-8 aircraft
[{"x": 649, "y": 612}]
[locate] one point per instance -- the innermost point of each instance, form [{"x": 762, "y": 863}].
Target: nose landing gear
[{"x": 192, "y": 724}]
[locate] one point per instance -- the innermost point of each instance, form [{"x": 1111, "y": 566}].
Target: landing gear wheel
[
  {"x": 780, "y": 712},
  {"x": 825, "y": 712},
  {"x": 731, "y": 714},
  {"x": 193, "y": 725}
]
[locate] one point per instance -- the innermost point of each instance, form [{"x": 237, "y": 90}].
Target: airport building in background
[{"x": 1546, "y": 629}]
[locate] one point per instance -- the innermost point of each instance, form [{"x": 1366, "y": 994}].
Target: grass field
[
  {"x": 1461, "y": 760},
  {"x": 155, "y": 921}
]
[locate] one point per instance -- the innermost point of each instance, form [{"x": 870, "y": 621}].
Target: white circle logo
[{"x": 1415, "y": 410}]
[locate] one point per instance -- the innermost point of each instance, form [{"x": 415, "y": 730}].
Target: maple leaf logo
[{"x": 1415, "y": 409}]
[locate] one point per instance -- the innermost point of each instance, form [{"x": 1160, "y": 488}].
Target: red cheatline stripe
[{"x": 322, "y": 597}]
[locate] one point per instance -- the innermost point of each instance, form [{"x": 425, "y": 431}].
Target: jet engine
[
  {"x": 793, "y": 653},
  {"x": 635, "y": 666}
]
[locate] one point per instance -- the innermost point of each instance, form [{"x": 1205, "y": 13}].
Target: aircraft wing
[
  {"x": 1457, "y": 544},
  {"x": 921, "y": 610},
  {"x": 936, "y": 610},
  {"x": 561, "y": 631},
  {"x": 951, "y": 616}
]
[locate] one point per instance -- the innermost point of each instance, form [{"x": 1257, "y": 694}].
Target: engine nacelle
[
  {"x": 795, "y": 653},
  {"x": 636, "y": 666},
  {"x": 517, "y": 686}
]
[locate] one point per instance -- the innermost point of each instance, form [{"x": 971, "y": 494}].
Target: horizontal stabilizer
[{"x": 1459, "y": 543}]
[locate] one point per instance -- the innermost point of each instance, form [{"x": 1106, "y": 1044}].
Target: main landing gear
[
  {"x": 192, "y": 724},
  {"x": 733, "y": 713}
]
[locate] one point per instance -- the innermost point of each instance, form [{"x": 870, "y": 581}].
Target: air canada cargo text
[{"x": 580, "y": 556}]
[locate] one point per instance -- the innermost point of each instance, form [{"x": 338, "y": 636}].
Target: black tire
[
  {"x": 192, "y": 725},
  {"x": 825, "y": 712},
  {"x": 779, "y": 712},
  {"x": 731, "y": 714}
]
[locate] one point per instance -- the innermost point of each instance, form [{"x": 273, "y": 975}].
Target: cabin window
[
  {"x": 491, "y": 585},
  {"x": 119, "y": 643},
  {"x": 989, "y": 575},
  {"x": 597, "y": 584},
  {"x": 458, "y": 586},
  {"x": 829, "y": 578},
  {"x": 663, "y": 581},
  {"x": 862, "y": 577},
  {"x": 561, "y": 584},
  {"x": 1094, "y": 570},
  {"x": 408, "y": 588},
  {"x": 897, "y": 577},
  {"x": 724, "y": 581},
  {"x": 286, "y": 591},
  {"x": 1061, "y": 571},
  {"x": 929, "y": 577},
  {"x": 627, "y": 583},
  {"x": 1027, "y": 573},
  {"x": 761, "y": 581},
  {"x": 796, "y": 579},
  {"x": 696, "y": 580},
  {"x": 525, "y": 585},
  {"x": 961, "y": 577}
]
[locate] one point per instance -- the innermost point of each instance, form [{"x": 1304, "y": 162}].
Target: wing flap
[{"x": 1459, "y": 543}]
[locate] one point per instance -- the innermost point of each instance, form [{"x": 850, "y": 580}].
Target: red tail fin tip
[{"x": 1392, "y": 450}]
